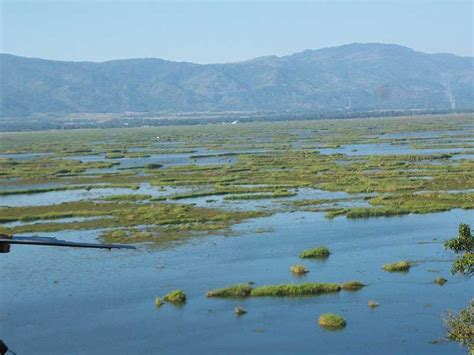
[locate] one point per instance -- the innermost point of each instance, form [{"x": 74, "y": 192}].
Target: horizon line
[{"x": 239, "y": 61}]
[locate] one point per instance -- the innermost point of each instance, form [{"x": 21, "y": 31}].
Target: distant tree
[{"x": 463, "y": 243}]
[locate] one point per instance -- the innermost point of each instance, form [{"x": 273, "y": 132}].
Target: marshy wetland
[{"x": 284, "y": 221}]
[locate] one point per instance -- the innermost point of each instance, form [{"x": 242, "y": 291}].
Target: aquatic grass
[
  {"x": 298, "y": 269},
  {"x": 283, "y": 290},
  {"x": 370, "y": 212},
  {"x": 184, "y": 220},
  {"x": 279, "y": 194},
  {"x": 44, "y": 190},
  {"x": 153, "y": 166},
  {"x": 295, "y": 290},
  {"x": 225, "y": 190},
  {"x": 235, "y": 291},
  {"x": 331, "y": 321},
  {"x": 66, "y": 188},
  {"x": 198, "y": 194},
  {"x": 129, "y": 197},
  {"x": 7, "y": 220},
  {"x": 315, "y": 253},
  {"x": 401, "y": 184},
  {"x": 352, "y": 285},
  {"x": 114, "y": 156},
  {"x": 401, "y": 266},
  {"x": 175, "y": 297}
]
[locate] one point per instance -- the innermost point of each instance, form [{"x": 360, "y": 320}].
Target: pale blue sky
[{"x": 223, "y": 31}]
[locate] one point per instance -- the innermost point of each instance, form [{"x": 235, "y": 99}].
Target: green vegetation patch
[
  {"x": 114, "y": 156},
  {"x": 460, "y": 326},
  {"x": 235, "y": 291},
  {"x": 63, "y": 188},
  {"x": 464, "y": 264},
  {"x": 298, "y": 269},
  {"x": 278, "y": 194},
  {"x": 129, "y": 197},
  {"x": 317, "y": 253},
  {"x": 401, "y": 266},
  {"x": 292, "y": 290},
  {"x": 401, "y": 204},
  {"x": 462, "y": 244},
  {"x": 161, "y": 220},
  {"x": 175, "y": 297},
  {"x": 153, "y": 166},
  {"x": 352, "y": 285},
  {"x": 284, "y": 158},
  {"x": 289, "y": 290},
  {"x": 331, "y": 321}
]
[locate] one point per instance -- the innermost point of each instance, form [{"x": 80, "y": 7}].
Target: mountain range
[{"x": 368, "y": 76}]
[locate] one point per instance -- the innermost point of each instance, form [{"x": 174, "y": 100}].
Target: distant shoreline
[{"x": 133, "y": 120}]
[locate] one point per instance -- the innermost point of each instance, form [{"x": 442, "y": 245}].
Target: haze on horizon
[{"x": 224, "y": 31}]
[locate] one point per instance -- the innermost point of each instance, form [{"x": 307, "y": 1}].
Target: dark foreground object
[
  {"x": 3, "y": 348},
  {"x": 6, "y": 241}
]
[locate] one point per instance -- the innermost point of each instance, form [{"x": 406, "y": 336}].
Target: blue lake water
[
  {"x": 57, "y": 197},
  {"x": 219, "y": 201},
  {"x": 98, "y": 302},
  {"x": 24, "y": 156},
  {"x": 79, "y": 301},
  {"x": 387, "y": 149}
]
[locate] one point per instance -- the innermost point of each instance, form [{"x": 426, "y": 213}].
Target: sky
[{"x": 225, "y": 31}]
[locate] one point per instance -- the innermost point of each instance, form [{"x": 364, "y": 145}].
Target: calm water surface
[
  {"x": 71, "y": 301},
  {"x": 77, "y": 301}
]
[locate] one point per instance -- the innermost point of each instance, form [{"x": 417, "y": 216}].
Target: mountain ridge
[
  {"x": 360, "y": 76},
  {"x": 362, "y": 44}
]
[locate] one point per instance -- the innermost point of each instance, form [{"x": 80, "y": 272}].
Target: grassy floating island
[
  {"x": 352, "y": 285},
  {"x": 153, "y": 166},
  {"x": 235, "y": 291},
  {"x": 315, "y": 253},
  {"x": 331, "y": 321},
  {"x": 305, "y": 289},
  {"x": 114, "y": 156},
  {"x": 277, "y": 194},
  {"x": 299, "y": 269},
  {"x": 175, "y": 297},
  {"x": 405, "y": 183},
  {"x": 128, "y": 197},
  {"x": 400, "y": 266},
  {"x": 290, "y": 290}
]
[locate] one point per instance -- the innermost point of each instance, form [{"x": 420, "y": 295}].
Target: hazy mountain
[{"x": 363, "y": 76}]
